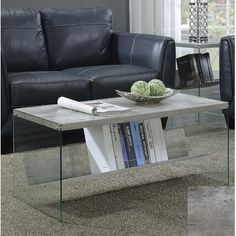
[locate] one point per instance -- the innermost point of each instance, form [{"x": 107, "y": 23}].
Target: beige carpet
[{"x": 157, "y": 208}]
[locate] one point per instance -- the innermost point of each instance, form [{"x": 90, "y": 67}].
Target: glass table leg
[
  {"x": 199, "y": 92},
  {"x": 37, "y": 167},
  {"x": 61, "y": 179},
  {"x": 228, "y": 161}
]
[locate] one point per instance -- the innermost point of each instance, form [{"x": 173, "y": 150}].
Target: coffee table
[{"x": 60, "y": 120}]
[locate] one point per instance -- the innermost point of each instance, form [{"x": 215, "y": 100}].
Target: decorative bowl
[{"x": 146, "y": 99}]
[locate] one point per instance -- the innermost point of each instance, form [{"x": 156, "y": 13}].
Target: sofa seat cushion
[
  {"x": 106, "y": 79},
  {"x": 45, "y": 87},
  {"x": 77, "y": 37}
]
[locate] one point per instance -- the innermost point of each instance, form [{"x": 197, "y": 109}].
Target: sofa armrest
[
  {"x": 5, "y": 99},
  {"x": 152, "y": 51},
  {"x": 227, "y": 69}
]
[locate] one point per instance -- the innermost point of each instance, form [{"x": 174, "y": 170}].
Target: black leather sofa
[
  {"x": 227, "y": 76},
  {"x": 74, "y": 53}
]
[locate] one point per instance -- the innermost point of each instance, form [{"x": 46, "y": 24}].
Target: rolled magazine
[{"x": 94, "y": 107}]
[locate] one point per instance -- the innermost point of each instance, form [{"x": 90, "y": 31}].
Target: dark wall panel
[{"x": 118, "y": 7}]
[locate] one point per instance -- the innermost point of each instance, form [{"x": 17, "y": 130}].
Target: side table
[{"x": 202, "y": 88}]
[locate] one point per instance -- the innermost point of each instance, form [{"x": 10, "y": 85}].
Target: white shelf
[{"x": 187, "y": 44}]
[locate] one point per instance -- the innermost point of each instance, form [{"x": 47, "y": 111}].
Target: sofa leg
[
  {"x": 231, "y": 123},
  {"x": 229, "y": 120},
  {"x": 6, "y": 145}
]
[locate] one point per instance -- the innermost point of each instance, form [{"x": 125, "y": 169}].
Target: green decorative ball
[
  {"x": 157, "y": 88},
  {"x": 140, "y": 88}
]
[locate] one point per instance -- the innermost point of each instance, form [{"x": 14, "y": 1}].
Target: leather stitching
[
  {"x": 165, "y": 46},
  {"x": 16, "y": 28},
  {"x": 132, "y": 49},
  {"x": 91, "y": 69},
  {"x": 25, "y": 84},
  {"x": 74, "y": 25},
  {"x": 133, "y": 74}
]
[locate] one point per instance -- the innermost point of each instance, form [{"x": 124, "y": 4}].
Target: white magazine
[{"x": 94, "y": 107}]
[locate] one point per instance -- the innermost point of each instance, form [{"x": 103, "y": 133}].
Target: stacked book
[
  {"x": 195, "y": 69},
  {"x": 119, "y": 146}
]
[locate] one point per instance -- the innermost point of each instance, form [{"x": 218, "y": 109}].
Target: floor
[
  {"x": 157, "y": 207},
  {"x": 210, "y": 211}
]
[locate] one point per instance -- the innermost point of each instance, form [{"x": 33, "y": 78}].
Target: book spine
[
  {"x": 144, "y": 142},
  {"x": 138, "y": 149},
  {"x": 123, "y": 147},
  {"x": 182, "y": 64},
  {"x": 109, "y": 147},
  {"x": 196, "y": 71},
  {"x": 208, "y": 61},
  {"x": 204, "y": 67},
  {"x": 117, "y": 146},
  {"x": 129, "y": 144},
  {"x": 158, "y": 140},
  {"x": 187, "y": 70},
  {"x": 148, "y": 134},
  {"x": 198, "y": 59}
]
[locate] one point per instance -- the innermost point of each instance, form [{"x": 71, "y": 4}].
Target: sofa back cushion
[
  {"x": 77, "y": 37},
  {"x": 23, "y": 41}
]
